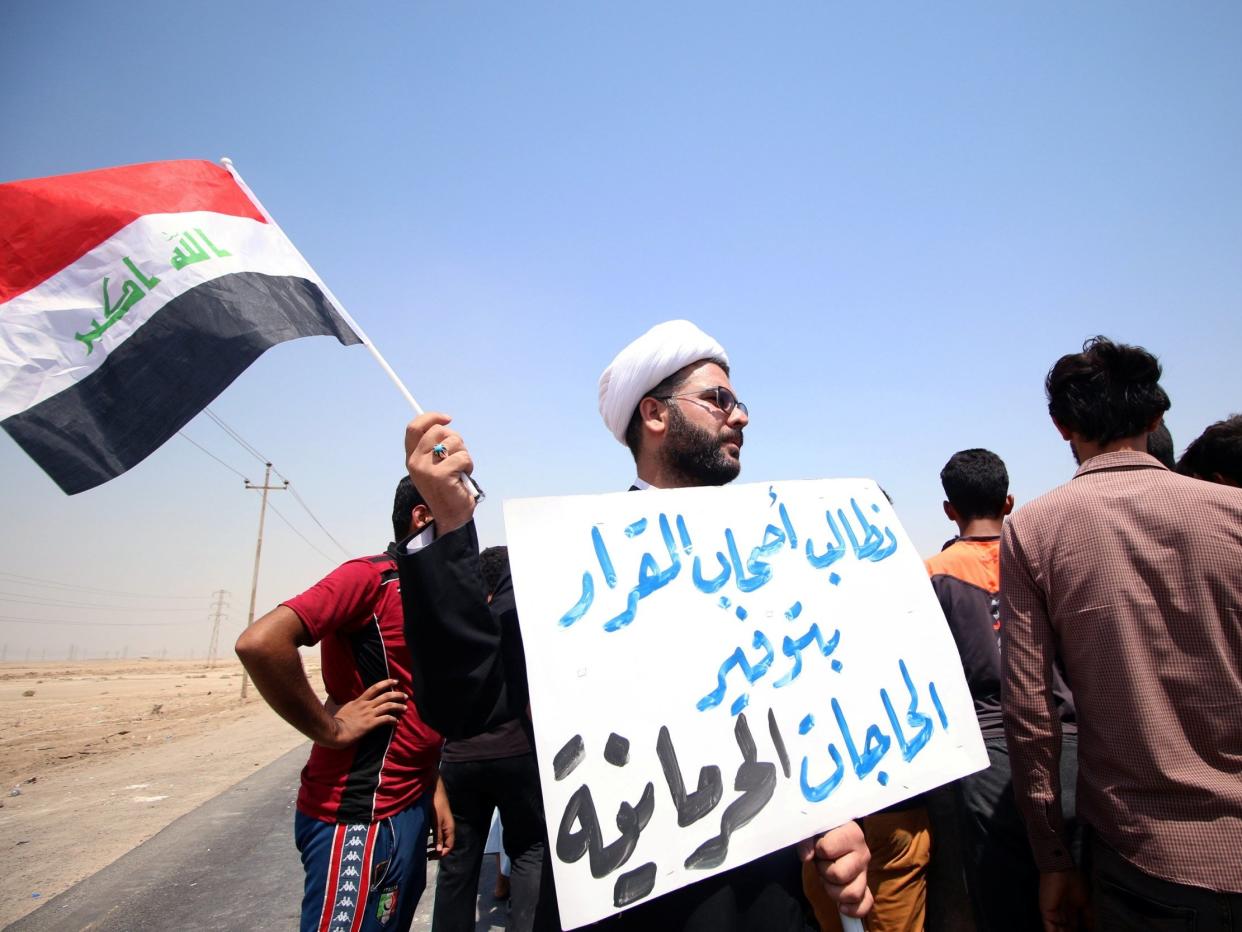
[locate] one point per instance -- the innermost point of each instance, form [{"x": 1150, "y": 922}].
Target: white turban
[{"x": 646, "y": 363}]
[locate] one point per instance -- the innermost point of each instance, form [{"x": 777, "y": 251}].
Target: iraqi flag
[{"x": 129, "y": 299}]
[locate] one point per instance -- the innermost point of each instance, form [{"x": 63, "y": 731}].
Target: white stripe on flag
[{"x": 40, "y": 356}]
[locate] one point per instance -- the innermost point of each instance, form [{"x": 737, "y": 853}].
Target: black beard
[{"x": 694, "y": 453}]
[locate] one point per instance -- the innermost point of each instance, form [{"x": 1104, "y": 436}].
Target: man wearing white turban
[{"x": 667, "y": 396}]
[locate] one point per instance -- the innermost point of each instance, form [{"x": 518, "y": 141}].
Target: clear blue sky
[{"x": 894, "y": 217}]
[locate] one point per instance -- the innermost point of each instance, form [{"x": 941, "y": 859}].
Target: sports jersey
[
  {"x": 355, "y": 615},
  {"x": 966, "y": 577}
]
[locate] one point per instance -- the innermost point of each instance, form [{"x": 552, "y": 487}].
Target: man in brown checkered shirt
[{"x": 1133, "y": 574}]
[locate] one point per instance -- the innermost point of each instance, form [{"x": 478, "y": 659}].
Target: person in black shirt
[
  {"x": 667, "y": 396},
  {"x": 494, "y": 770}
]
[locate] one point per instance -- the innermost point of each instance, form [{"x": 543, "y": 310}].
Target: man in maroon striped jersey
[{"x": 367, "y": 790}]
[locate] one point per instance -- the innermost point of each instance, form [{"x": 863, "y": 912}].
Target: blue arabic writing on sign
[{"x": 851, "y": 533}]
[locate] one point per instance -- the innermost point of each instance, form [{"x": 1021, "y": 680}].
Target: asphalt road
[
  {"x": 231, "y": 865},
  {"x": 228, "y": 865}
]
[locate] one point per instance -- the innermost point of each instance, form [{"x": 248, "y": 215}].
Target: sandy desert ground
[{"x": 98, "y": 756}]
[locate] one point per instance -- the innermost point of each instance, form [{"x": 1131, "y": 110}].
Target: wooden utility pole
[{"x": 258, "y": 549}]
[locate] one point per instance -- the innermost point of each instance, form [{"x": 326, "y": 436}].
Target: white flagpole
[{"x": 353, "y": 325}]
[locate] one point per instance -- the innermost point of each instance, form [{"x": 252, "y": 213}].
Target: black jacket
[{"x": 469, "y": 676}]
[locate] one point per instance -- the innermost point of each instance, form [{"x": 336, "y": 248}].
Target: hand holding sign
[{"x": 841, "y": 857}]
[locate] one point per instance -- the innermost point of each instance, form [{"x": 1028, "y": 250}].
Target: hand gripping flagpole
[{"x": 366, "y": 341}]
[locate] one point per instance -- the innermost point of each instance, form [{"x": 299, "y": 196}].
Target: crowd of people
[{"x": 1099, "y": 629}]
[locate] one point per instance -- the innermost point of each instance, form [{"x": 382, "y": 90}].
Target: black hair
[
  {"x": 1217, "y": 451},
  {"x": 669, "y": 386},
  {"x": 404, "y": 502},
  {"x": 1160, "y": 445},
  {"x": 976, "y": 483},
  {"x": 1107, "y": 392},
  {"x": 494, "y": 563}
]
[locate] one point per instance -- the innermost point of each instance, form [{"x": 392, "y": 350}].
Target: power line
[
  {"x": 276, "y": 512},
  {"x": 57, "y": 584},
  {"x": 23, "y": 598},
  {"x": 306, "y": 508},
  {"x": 249, "y": 448},
  {"x": 96, "y": 624},
  {"x": 186, "y": 436},
  {"x": 245, "y": 445},
  {"x": 235, "y": 435}
]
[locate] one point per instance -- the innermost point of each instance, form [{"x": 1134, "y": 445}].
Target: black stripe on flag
[{"x": 166, "y": 372}]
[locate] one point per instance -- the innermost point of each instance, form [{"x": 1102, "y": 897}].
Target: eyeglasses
[{"x": 718, "y": 395}]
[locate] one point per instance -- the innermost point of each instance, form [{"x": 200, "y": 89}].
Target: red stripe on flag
[
  {"x": 364, "y": 889},
  {"x": 47, "y": 224},
  {"x": 334, "y": 878}
]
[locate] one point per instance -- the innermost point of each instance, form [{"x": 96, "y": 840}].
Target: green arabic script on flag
[{"x": 188, "y": 252}]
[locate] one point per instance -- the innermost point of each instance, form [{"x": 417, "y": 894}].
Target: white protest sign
[{"x": 717, "y": 673}]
